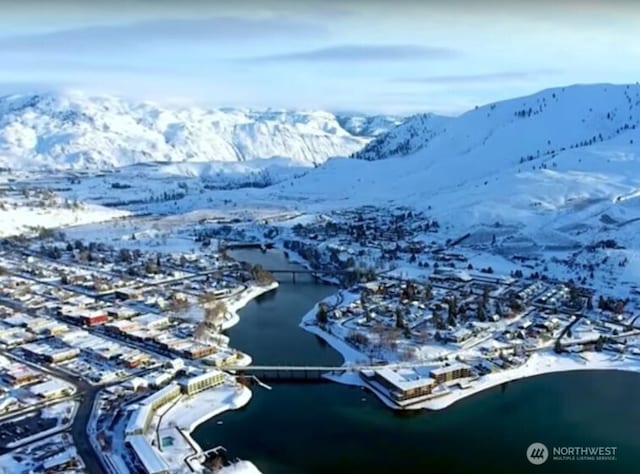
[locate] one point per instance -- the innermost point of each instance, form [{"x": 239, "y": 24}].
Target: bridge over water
[
  {"x": 310, "y": 372},
  {"x": 294, "y": 272}
]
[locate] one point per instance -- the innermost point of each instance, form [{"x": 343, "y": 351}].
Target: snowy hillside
[
  {"x": 407, "y": 138},
  {"x": 522, "y": 129},
  {"x": 558, "y": 171},
  {"x": 569, "y": 167},
  {"x": 73, "y": 131}
]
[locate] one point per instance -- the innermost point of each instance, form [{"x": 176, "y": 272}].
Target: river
[{"x": 331, "y": 428}]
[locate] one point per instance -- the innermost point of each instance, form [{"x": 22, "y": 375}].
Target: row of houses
[
  {"x": 155, "y": 335},
  {"x": 103, "y": 349}
]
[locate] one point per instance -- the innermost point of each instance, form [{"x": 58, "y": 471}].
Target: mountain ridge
[
  {"x": 568, "y": 117},
  {"x": 73, "y": 131}
]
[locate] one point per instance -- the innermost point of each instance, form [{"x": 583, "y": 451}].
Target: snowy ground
[
  {"x": 63, "y": 413},
  {"x": 54, "y": 447},
  {"x": 189, "y": 412},
  {"x": 19, "y": 217}
]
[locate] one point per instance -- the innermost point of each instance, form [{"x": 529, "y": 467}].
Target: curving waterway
[{"x": 330, "y": 428}]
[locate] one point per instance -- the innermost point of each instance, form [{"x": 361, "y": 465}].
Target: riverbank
[
  {"x": 271, "y": 332},
  {"x": 539, "y": 363},
  {"x": 349, "y": 355},
  {"x": 173, "y": 431},
  {"x": 234, "y": 304},
  {"x": 238, "y": 301}
]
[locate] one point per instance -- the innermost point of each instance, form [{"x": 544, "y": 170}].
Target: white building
[
  {"x": 202, "y": 382},
  {"x": 51, "y": 389},
  {"x": 147, "y": 455}
]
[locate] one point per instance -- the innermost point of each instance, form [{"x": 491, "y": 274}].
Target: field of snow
[{"x": 18, "y": 217}]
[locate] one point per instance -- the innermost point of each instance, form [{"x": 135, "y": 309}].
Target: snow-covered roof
[
  {"x": 58, "y": 459},
  {"x": 398, "y": 380},
  {"x": 138, "y": 420},
  {"x": 151, "y": 319},
  {"x": 449, "y": 368},
  {"x": 152, "y": 461},
  {"x": 48, "y": 387}
]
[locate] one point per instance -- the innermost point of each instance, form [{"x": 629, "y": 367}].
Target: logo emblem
[{"x": 537, "y": 453}]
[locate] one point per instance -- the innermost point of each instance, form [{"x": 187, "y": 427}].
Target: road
[
  {"x": 79, "y": 432},
  {"x": 86, "y": 394}
]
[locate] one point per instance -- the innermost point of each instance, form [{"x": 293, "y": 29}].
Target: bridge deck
[
  {"x": 325, "y": 368},
  {"x": 307, "y": 271},
  {"x": 292, "y": 368}
]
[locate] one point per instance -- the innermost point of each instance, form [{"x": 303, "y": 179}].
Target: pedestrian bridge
[
  {"x": 311, "y": 372},
  {"x": 297, "y": 368},
  {"x": 290, "y": 372},
  {"x": 316, "y": 274}
]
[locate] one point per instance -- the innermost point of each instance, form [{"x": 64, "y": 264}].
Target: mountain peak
[{"x": 73, "y": 130}]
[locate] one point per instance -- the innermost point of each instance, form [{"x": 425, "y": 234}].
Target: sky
[{"x": 395, "y": 56}]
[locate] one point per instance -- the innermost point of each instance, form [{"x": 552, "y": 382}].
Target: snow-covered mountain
[
  {"x": 559, "y": 165},
  {"x": 73, "y": 131},
  {"x": 522, "y": 129},
  {"x": 412, "y": 135},
  {"x": 368, "y": 125}
]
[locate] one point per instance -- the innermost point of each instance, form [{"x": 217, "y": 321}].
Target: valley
[{"x": 464, "y": 253}]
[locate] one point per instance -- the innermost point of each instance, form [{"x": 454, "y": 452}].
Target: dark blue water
[{"x": 331, "y": 428}]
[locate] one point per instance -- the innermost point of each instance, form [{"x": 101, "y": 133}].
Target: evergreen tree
[
  {"x": 321, "y": 316},
  {"x": 482, "y": 313},
  {"x": 399, "y": 318},
  {"x": 428, "y": 292}
]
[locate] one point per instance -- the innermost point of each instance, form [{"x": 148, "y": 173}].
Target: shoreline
[
  {"x": 237, "y": 302},
  {"x": 552, "y": 362},
  {"x": 349, "y": 354},
  {"x": 540, "y": 363},
  {"x": 181, "y": 419}
]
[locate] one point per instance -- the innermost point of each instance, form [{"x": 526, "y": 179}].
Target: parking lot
[{"x": 14, "y": 430}]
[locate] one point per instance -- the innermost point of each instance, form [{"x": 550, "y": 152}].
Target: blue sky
[{"x": 371, "y": 56}]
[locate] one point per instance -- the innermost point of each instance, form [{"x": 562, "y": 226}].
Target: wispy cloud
[
  {"x": 471, "y": 79},
  {"x": 363, "y": 53},
  {"x": 31, "y": 87},
  {"x": 113, "y": 37}
]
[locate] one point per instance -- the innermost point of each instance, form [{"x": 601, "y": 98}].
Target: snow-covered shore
[
  {"x": 540, "y": 363},
  {"x": 348, "y": 353},
  {"x": 181, "y": 419},
  {"x": 238, "y": 301}
]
